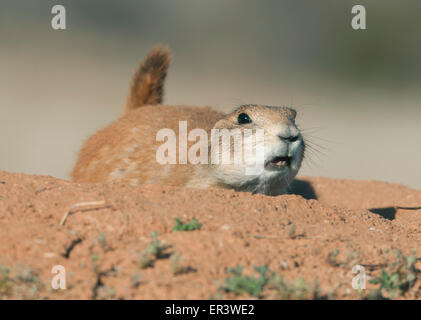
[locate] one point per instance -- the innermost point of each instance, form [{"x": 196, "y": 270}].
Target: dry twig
[{"x": 97, "y": 204}]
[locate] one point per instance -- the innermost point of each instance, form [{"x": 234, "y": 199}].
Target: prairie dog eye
[{"x": 243, "y": 118}]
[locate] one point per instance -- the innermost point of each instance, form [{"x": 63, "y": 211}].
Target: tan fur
[{"x": 126, "y": 150}]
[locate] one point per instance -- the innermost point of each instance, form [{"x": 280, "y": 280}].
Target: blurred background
[{"x": 357, "y": 93}]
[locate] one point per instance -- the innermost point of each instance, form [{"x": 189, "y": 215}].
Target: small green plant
[
  {"x": 154, "y": 251},
  {"x": 156, "y": 248},
  {"x": 5, "y": 282},
  {"x": 176, "y": 267},
  {"x": 390, "y": 283},
  {"x": 146, "y": 260},
  {"x": 295, "y": 290},
  {"x": 94, "y": 260},
  {"x": 136, "y": 280},
  {"x": 190, "y": 226},
  {"x": 241, "y": 284},
  {"x": 399, "y": 276},
  {"x": 266, "y": 282},
  {"x": 18, "y": 283},
  {"x": 105, "y": 293},
  {"x": 102, "y": 240},
  {"x": 331, "y": 257},
  {"x": 111, "y": 292},
  {"x": 292, "y": 231}
]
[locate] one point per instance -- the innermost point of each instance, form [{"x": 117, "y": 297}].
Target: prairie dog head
[{"x": 266, "y": 149}]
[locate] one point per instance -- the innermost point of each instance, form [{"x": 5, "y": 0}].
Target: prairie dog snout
[{"x": 127, "y": 149}]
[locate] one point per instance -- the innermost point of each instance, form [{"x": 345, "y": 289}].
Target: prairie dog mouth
[{"x": 278, "y": 163}]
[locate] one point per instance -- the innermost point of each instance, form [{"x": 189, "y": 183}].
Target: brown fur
[{"x": 148, "y": 82}]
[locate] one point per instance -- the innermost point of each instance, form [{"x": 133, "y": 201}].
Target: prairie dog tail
[{"x": 147, "y": 86}]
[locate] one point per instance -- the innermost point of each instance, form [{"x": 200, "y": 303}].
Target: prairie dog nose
[
  {"x": 288, "y": 133},
  {"x": 289, "y": 137}
]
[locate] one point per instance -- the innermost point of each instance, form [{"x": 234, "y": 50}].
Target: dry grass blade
[{"x": 72, "y": 209}]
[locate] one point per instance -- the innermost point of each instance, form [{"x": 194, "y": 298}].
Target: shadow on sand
[
  {"x": 390, "y": 212},
  {"x": 302, "y": 188},
  {"x": 306, "y": 190}
]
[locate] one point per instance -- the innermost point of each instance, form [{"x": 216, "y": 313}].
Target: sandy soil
[{"x": 317, "y": 235}]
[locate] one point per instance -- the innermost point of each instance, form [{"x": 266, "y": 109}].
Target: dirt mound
[{"x": 309, "y": 241}]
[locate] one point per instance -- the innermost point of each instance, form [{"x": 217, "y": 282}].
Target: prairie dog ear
[
  {"x": 218, "y": 124},
  {"x": 224, "y": 123}
]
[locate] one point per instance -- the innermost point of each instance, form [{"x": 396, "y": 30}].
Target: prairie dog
[{"x": 127, "y": 149}]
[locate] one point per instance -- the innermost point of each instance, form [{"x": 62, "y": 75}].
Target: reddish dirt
[{"x": 101, "y": 248}]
